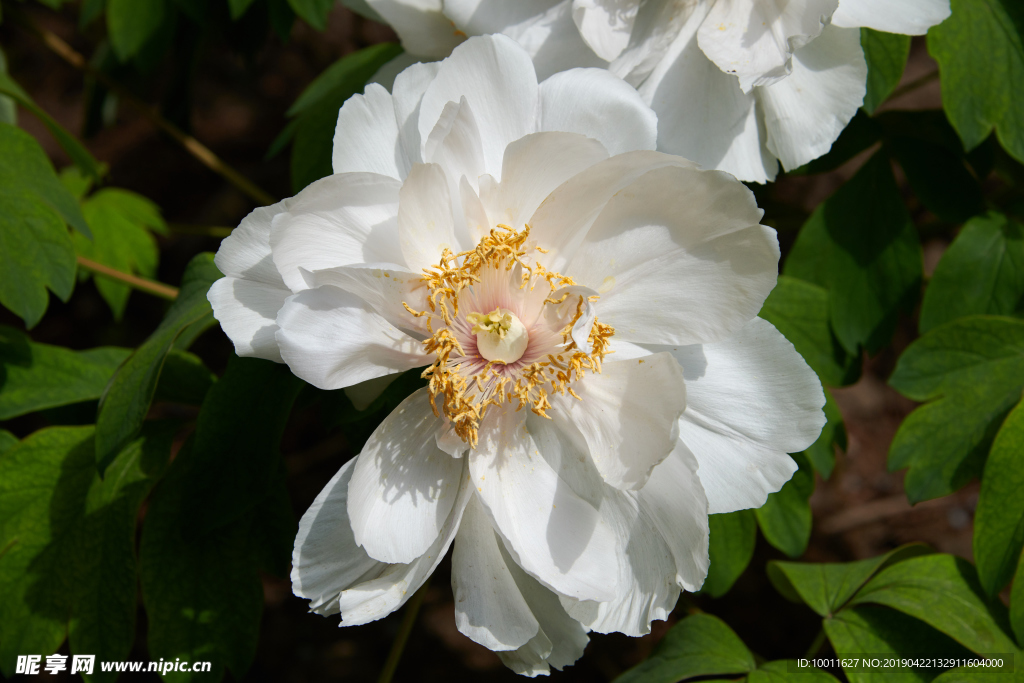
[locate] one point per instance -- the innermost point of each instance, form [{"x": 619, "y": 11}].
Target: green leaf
[
  {"x": 731, "y": 548},
  {"x": 201, "y": 588},
  {"x": 942, "y": 591},
  {"x": 238, "y": 8},
  {"x": 822, "y": 453},
  {"x": 779, "y": 672},
  {"x": 237, "y": 438},
  {"x": 999, "y": 518},
  {"x": 871, "y": 630},
  {"x": 862, "y": 247},
  {"x": 184, "y": 379},
  {"x": 75, "y": 150},
  {"x": 799, "y": 310},
  {"x": 317, "y": 110},
  {"x": 71, "y": 566},
  {"x": 121, "y": 222},
  {"x": 972, "y": 372},
  {"x": 313, "y": 12},
  {"x": 699, "y": 645},
  {"x": 974, "y": 675},
  {"x": 7, "y": 441},
  {"x": 39, "y": 376},
  {"x": 36, "y": 253},
  {"x": 90, "y": 11},
  {"x": 131, "y": 23},
  {"x": 981, "y": 60},
  {"x": 886, "y": 55},
  {"x": 1017, "y": 602},
  {"x": 785, "y": 518},
  {"x": 826, "y": 586},
  {"x": 126, "y": 400},
  {"x": 981, "y": 272}
]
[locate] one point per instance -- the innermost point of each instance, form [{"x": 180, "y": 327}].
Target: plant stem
[
  {"x": 914, "y": 85},
  {"x": 143, "y": 285},
  {"x": 819, "y": 640},
  {"x": 191, "y": 145},
  {"x": 412, "y": 608}
]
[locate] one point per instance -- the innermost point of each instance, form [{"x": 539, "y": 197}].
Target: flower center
[
  {"x": 500, "y": 335},
  {"x": 524, "y": 351}
]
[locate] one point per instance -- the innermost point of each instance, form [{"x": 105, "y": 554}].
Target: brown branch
[
  {"x": 191, "y": 145},
  {"x": 143, "y": 285},
  {"x": 913, "y": 85}
]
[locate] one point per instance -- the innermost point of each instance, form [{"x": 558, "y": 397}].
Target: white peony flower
[
  {"x": 738, "y": 85},
  {"x": 586, "y": 311}
]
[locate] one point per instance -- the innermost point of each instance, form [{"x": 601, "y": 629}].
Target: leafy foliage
[
  {"x": 971, "y": 371},
  {"x": 886, "y": 55},
  {"x": 733, "y": 535},
  {"x": 785, "y": 518},
  {"x": 861, "y": 246},
  {"x": 978, "y": 86}
]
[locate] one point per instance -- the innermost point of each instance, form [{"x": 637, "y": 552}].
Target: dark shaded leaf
[
  {"x": 131, "y": 23},
  {"x": 822, "y": 453},
  {"x": 980, "y": 85},
  {"x": 201, "y": 586},
  {"x": 733, "y": 535},
  {"x": 972, "y": 372},
  {"x": 785, "y": 518},
  {"x": 127, "y": 397},
  {"x": 999, "y": 519},
  {"x": 799, "y": 310},
  {"x": 38, "y": 376},
  {"x": 826, "y": 586},
  {"x": 871, "y": 630},
  {"x": 699, "y": 645},
  {"x": 313, "y": 12},
  {"x": 71, "y": 566},
  {"x": 861, "y": 246},
  {"x": 981, "y": 272},
  {"x": 886, "y": 55},
  {"x": 942, "y": 591}
]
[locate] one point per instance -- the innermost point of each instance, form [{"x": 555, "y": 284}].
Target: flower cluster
[
  {"x": 585, "y": 311},
  {"x": 738, "y": 85}
]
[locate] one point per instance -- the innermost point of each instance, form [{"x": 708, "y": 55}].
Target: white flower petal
[
  {"x": 675, "y": 501},
  {"x": 336, "y": 221},
  {"x": 649, "y": 589},
  {"x": 533, "y": 167},
  {"x": 247, "y": 312},
  {"x": 403, "y": 487},
  {"x": 246, "y": 301},
  {"x": 425, "y": 223},
  {"x": 478, "y": 17},
  {"x": 455, "y": 145},
  {"x": 408, "y": 94},
  {"x": 553, "y": 41},
  {"x": 421, "y": 24},
  {"x": 909, "y": 17},
  {"x": 755, "y": 39},
  {"x": 385, "y": 287},
  {"x": 561, "y": 639},
  {"x": 703, "y": 114},
  {"x": 806, "y": 112},
  {"x": 489, "y": 609},
  {"x": 679, "y": 257},
  {"x": 595, "y": 103},
  {"x": 503, "y": 96},
  {"x": 330, "y": 570},
  {"x": 333, "y": 339},
  {"x": 551, "y": 532},
  {"x": 605, "y": 24},
  {"x": 627, "y": 420},
  {"x": 562, "y": 220},
  {"x": 366, "y": 137},
  {"x": 750, "y": 400}
]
